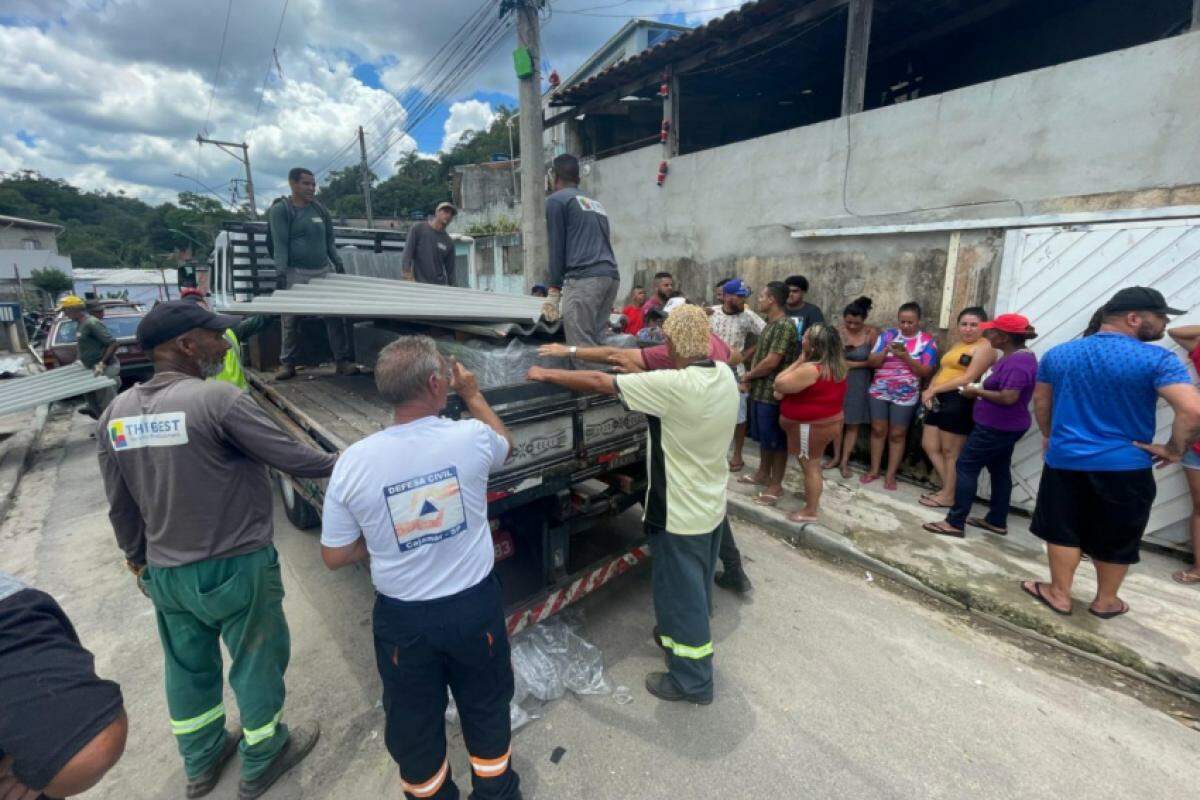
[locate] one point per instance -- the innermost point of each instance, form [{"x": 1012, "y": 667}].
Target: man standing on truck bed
[
  {"x": 692, "y": 410},
  {"x": 97, "y": 351},
  {"x": 429, "y": 250},
  {"x": 184, "y": 462},
  {"x": 301, "y": 243},
  {"x": 582, "y": 265},
  {"x": 422, "y": 519}
]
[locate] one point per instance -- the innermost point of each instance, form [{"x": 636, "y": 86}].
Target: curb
[
  {"x": 16, "y": 457},
  {"x": 818, "y": 537}
]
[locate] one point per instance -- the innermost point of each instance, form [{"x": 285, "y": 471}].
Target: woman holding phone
[
  {"x": 948, "y": 420},
  {"x": 858, "y": 339},
  {"x": 903, "y": 357}
]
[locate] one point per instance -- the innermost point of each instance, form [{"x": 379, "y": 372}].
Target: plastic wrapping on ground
[{"x": 549, "y": 660}]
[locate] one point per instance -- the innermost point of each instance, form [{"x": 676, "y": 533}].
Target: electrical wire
[
  {"x": 420, "y": 84},
  {"x": 271, "y": 61},
  {"x": 693, "y": 12},
  {"x": 217, "y": 74}
]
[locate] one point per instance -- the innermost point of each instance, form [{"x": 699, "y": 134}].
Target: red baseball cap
[{"x": 1010, "y": 323}]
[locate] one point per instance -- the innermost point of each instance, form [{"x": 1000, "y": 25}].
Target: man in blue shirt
[{"x": 1095, "y": 403}]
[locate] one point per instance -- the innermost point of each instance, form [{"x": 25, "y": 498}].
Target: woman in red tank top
[{"x": 810, "y": 410}]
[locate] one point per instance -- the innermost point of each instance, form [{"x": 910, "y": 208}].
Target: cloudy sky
[{"x": 111, "y": 93}]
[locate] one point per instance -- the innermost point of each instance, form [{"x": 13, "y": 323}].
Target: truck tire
[{"x": 299, "y": 511}]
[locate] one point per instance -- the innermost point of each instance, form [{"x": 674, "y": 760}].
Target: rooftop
[{"x": 18, "y": 222}]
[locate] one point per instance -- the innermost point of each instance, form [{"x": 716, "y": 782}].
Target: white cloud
[
  {"x": 470, "y": 115},
  {"x": 114, "y": 92}
]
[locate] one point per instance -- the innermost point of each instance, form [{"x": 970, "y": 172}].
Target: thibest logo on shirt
[
  {"x": 148, "y": 430},
  {"x": 426, "y": 509}
]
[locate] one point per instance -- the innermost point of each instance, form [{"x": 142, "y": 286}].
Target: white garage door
[{"x": 1059, "y": 276}]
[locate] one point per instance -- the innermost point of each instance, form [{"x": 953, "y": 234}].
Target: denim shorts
[{"x": 1191, "y": 459}]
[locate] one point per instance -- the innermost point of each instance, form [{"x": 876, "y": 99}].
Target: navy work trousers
[
  {"x": 991, "y": 448},
  {"x": 682, "y": 580},
  {"x": 423, "y": 647}
]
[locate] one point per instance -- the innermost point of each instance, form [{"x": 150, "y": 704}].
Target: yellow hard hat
[{"x": 71, "y": 303}]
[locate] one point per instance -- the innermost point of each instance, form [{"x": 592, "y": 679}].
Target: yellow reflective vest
[{"x": 232, "y": 373}]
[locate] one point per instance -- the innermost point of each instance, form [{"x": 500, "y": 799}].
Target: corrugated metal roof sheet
[
  {"x": 715, "y": 31},
  {"x": 379, "y": 298},
  {"x": 18, "y": 394},
  {"x": 127, "y": 276}
]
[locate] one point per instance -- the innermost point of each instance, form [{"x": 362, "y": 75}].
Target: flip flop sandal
[
  {"x": 982, "y": 524},
  {"x": 928, "y": 501},
  {"x": 1036, "y": 594},
  {"x": 943, "y": 529},
  {"x": 764, "y": 499},
  {"x": 737, "y": 467},
  {"x": 750, "y": 481},
  {"x": 801, "y": 518},
  {"x": 890, "y": 486},
  {"x": 1124, "y": 609},
  {"x": 867, "y": 478},
  {"x": 1186, "y": 576}
]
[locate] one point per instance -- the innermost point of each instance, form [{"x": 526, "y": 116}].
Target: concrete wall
[
  {"x": 26, "y": 261},
  {"x": 486, "y": 193},
  {"x": 1116, "y": 127},
  {"x": 13, "y": 238}
]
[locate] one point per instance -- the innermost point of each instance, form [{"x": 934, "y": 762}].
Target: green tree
[{"x": 52, "y": 281}]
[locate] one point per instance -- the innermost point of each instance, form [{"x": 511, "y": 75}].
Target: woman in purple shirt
[{"x": 1001, "y": 418}]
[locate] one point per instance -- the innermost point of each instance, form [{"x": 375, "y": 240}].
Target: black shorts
[
  {"x": 1102, "y": 513},
  {"x": 953, "y": 414},
  {"x": 51, "y": 702}
]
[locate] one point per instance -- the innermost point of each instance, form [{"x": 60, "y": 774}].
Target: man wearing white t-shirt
[{"x": 413, "y": 499}]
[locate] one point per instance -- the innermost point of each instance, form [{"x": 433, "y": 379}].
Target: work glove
[{"x": 552, "y": 306}]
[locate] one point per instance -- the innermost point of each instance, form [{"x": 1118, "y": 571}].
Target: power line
[
  {"x": 427, "y": 82},
  {"x": 693, "y": 12},
  {"x": 272, "y": 61},
  {"x": 217, "y": 74}
]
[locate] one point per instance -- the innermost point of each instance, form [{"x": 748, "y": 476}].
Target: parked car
[{"x": 121, "y": 318}]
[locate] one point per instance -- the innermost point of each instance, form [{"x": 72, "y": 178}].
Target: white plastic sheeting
[{"x": 549, "y": 660}]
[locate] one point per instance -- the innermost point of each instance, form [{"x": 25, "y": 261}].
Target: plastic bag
[{"x": 549, "y": 660}]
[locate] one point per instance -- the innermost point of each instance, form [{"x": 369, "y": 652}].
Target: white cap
[{"x": 674, "y": 303}]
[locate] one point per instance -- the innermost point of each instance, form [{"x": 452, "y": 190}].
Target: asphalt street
[{"x": 829, "y": 685}]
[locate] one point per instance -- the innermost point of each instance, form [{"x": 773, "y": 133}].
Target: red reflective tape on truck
[{"x": 583, "y": 585}]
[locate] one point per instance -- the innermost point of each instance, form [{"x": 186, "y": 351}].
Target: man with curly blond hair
[{"x": 691, "y": 411}]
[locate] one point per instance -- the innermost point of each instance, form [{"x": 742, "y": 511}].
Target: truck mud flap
[{"x": 578, "y": 586}]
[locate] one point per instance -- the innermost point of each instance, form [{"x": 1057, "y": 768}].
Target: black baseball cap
[
  {"x": 176, "y": 317},
  {"x": 1139, "y": 298}
]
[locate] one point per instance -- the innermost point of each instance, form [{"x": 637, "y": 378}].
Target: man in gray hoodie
[{"x": 582, "y": 265}]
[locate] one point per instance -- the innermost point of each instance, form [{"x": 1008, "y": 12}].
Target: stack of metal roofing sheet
[
  {"x": 18, "y": 394},
  {"x": 379, "y": 298}
]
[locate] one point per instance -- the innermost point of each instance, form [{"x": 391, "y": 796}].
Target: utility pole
[
  {"x": 229, "y": 148},
  {"x": 528, "y": 59},
  {"x": 366, "y": 177}
]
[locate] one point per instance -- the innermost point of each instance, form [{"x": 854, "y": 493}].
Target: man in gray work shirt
[
  {"x": 184, "y": 462},
  {"x": 429, "y": 250},
  {"x": 302, "y": 247},
  {"x": 582, "y": 265}
]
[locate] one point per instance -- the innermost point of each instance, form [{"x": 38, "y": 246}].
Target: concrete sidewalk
[{"x": 983, "y": 571}]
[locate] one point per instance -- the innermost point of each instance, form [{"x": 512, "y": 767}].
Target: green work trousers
[{"x": 238, "y": 599}]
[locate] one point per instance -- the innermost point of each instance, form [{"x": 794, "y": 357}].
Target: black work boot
[
  {"x": 286, "y": 373},
  {"x": 664, "y": 687},
  {"x": 734, "y": 580},
  {"x": 301, "y": 740},
  {"x": 207, "y": 781}
]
